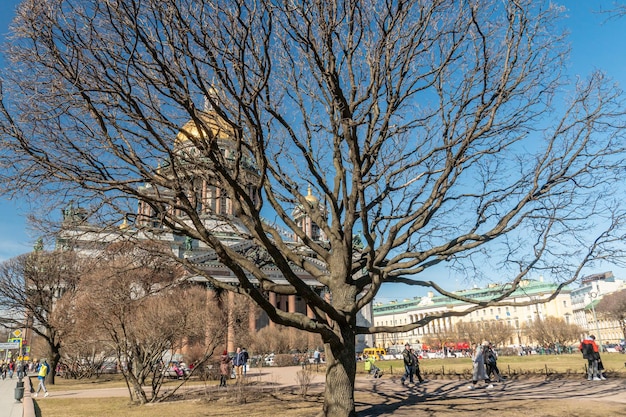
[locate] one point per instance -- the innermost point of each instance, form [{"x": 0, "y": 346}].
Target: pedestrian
[
  {"x": 316, "y": 356},
  {"x": 20, "y": 370},
  {"x": 11, "y": 369},
  {"x": 371, "y": 368},
  {"x": 478, "y": 362},
  {"x": 240, "y": 362},
  {"x": 42, "y": 373},
  {"x": 3, "y": 370},
  {"x": 246, "y": 357},
  {"x": 589, "y": 349},
  {"x": 408, "y": 360},
  {"x": 225, "y": 368},
  {"x": 416, "y": 367},
  {"x": 491, "y": 363}
]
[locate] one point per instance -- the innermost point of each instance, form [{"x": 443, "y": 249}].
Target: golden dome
[
  {"x": 219, "y": 128},
  {"x": 310, "y": 197}
]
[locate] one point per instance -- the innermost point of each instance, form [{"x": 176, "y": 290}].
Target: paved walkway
[
  {"x": 572, "y": 389},
  {"x": 8, "y": 406}
]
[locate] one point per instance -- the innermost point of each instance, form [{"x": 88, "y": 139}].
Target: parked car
[
  {"x": 108, "y": 368},
  {"x": 269, "y": 360}
]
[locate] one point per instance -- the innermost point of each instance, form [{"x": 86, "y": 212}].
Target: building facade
[
  {"x": 575, "y": 306},
  {"x": 586, "y": 297},
  {"x": 217, "y": 214},
  {"x": 412, "y": 310}
]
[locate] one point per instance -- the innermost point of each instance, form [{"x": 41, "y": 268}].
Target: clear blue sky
[{"x": 597, "y": 43}]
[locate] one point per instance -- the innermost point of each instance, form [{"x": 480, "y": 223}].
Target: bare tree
[
  {"x": 613, "y": 306},
  {"x": 496, "y": 332},
  {"x": 30, "y": 285},
  {"x": 439, "y": 132},
  {"x": 553, "y": 331},
  {"x": 125, "y": 299}
]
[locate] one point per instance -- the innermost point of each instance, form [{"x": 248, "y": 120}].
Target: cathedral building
[{"x": 217, "y": 214}]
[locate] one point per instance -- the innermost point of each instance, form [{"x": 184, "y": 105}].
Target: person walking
[
  {"x": 416, "y": 367},
  {"x": 316, "y": 356},
  {"x": 246, "y": 357},
  {"x": 240, "y": 362},
  {"x": 491, "y": 363},
  {"x": 20, "y": 370},
  {"x": 42, "y": 373},
  {"x": 371, "y": 368},
  {"x": 478, "y": 362},
  {"x": 409, "y": 362},
  {"x": 225, "y": 368}
]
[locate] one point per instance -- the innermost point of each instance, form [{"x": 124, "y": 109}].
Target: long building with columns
[{"x": 412, "y": 310}]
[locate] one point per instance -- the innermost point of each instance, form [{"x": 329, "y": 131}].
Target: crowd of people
[{"x": 20, "y": 369}]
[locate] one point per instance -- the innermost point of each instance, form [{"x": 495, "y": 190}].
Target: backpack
[{"x": 588, "y": 351}]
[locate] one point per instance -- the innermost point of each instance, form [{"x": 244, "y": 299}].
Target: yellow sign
[{"x": 17, "y": 333}]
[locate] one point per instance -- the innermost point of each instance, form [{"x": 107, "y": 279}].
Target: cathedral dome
[
  {"x": 219, "y": 129},
  {"x": 310, "y": 197}
]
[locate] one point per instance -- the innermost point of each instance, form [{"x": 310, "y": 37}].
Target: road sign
[
  {"x": 10, "y": 345},
  {"x": 17, "y": 333}
]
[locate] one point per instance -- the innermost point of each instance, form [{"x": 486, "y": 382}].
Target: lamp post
[{"x": 592, "y": 296}]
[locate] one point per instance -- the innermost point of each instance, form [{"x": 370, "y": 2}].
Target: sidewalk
[{"x": 8, "y": 406}]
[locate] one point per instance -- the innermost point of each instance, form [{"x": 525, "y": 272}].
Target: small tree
[
  {"x": 128, "y": 299},
  {"x": 496, "y": 332},
  {"x": 552, "y": 330},
  {"x": 613, "y": 307},
  {"x": 30, "y": 286}
]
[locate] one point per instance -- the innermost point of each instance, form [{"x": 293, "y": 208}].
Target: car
[
  {"x": 269, "y": 359},
  {"x": 108, "y": 368}
]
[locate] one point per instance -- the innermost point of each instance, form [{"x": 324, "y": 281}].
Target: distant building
[
  {"x": 585, "y": 299},
  {"x": 412, "y": 310}
]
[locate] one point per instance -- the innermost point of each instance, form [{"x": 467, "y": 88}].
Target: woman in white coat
[{"x": 479, "y": 372}]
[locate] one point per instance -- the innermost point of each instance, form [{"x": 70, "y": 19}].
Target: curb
[{"x": 27, "y": 400}]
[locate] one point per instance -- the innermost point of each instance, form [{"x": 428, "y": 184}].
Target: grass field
[
  {"x": 445, "y": 400},
  {"x": 614, "y": 363}
]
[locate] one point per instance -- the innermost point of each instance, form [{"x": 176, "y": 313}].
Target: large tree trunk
[
  {"x": 340, "y": 375},
  {"x": 53, "y": 361}
]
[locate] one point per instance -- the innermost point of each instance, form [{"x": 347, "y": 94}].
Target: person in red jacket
[{"x": 589, "y": 349}]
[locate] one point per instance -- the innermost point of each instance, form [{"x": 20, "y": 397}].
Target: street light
[{"x": 592, "y": 296}]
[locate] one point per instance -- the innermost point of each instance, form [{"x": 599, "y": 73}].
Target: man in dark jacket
[
  {"x": 409, "y": 363},
  {"x": 590, "y": 352}
]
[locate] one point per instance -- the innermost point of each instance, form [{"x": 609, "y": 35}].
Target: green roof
[{"x": 527, "y": 288}]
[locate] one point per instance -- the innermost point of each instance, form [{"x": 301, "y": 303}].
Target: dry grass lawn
[{"x": 525, "y": 394}]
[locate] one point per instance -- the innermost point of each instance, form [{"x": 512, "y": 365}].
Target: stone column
[
  {"x": 272, "y": 300},
  {"x": 230, "y": 338}
]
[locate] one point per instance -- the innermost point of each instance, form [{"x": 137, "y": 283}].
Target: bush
[{"x": 285, "y": 360}]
